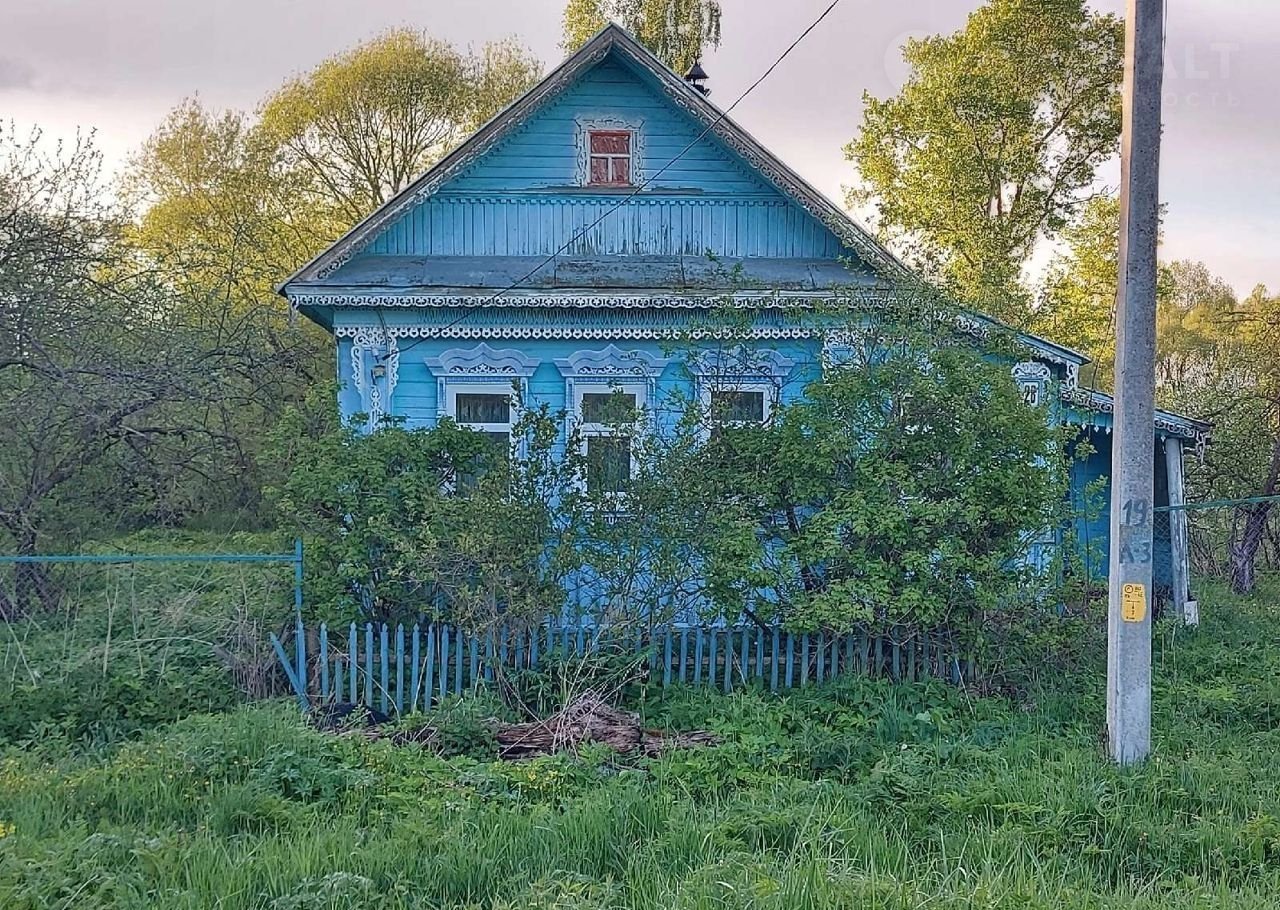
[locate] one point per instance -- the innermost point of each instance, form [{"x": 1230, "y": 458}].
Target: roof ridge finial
[{"x": 697, "y": 76}]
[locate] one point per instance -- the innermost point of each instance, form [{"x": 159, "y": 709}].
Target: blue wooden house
[{"x": 603, "y": 213}]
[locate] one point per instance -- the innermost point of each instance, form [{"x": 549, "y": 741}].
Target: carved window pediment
[
  {"x": 482, "y": 360},
  {"x": 611, "y": 363},
  {"x": 740, "y": 362}
]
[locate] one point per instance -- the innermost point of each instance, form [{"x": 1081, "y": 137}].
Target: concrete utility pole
[{"x": 1133, "y": 454}]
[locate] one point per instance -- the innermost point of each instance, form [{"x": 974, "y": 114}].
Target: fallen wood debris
[{"x": 586, "y": 719}]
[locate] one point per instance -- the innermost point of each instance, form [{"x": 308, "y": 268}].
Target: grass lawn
[{"x": 860, "y": 794}]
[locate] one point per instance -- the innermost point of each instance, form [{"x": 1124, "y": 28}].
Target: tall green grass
[
  {"x": 857, "y": 795},
  {"x": 133, "y": 645}
]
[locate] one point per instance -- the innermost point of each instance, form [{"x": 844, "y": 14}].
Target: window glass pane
[
  {"x": 621, "y": 170},
  {"x": 732, "y": 406},
  {"x": 599, "y": 170},
  {"x": 608, "y": 463},
  {"x": 611, "y": 143},
  {"x": 472, "y": 407},
  {"x": 608, "y": 407},
  {"x": 501, "y": 440}
]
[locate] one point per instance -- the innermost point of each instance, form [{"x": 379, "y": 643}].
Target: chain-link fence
[
  {"x": 1231, "y": 540},
  {"x": 99, "y": 645}
]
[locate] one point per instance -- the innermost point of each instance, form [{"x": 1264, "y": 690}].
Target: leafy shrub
[
  {"x": 430, "y": 521},
  {"x": 464, "y": 725}
]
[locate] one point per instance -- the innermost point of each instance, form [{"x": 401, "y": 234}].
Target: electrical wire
[{"x": 582, "y": 232}]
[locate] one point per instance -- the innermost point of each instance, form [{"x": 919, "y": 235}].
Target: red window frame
[{"x": 607, "y": 165}]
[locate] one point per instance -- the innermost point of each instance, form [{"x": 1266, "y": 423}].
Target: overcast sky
[{"x": 118, "y": 66}]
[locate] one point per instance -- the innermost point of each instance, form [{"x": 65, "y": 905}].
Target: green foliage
[
  {"x": 361, "y": 125},
  {"x": 464, "y": 726},
  {"x": 992, "y": 141},
  {"x": 431, "y": 521},
  {"x": 858, "y": 794},
  {"x": 677, "y": 31},
  {"x": 1079, "y": 298},
  {"x": 107, "y": 393},
  {"x": 903, "y": 488}
]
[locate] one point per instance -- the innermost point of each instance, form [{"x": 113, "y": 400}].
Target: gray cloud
[{"x": 15, "y": 73}]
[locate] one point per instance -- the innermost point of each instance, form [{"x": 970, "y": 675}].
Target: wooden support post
[{"x": 1179, "y": 544}]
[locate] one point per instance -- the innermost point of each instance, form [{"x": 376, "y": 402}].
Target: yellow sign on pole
[{"x": 1133, "y": 603}]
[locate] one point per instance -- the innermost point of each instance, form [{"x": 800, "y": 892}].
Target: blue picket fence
[{"x": 395, "y": 669}]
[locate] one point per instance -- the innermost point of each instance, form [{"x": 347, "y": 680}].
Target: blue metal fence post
[
  {"x": 353, "y": 659},
  {"x": 324, "y": 662},
  {"x": 368, "y": 665},
  {"x": 413, "y": 676},
  {"x": 300, "y": 651},
  {"x": 297, "y": 575}
]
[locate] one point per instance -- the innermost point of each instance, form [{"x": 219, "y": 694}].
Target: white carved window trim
[
  {"x": 587, "y": 430},
  {"x": 604, "y": 371},
  {"x": 586, "y": 125},
  {"x": 740, "y": 370},
  {"x": 473, "y": 387},
  {"x": 482, "y": 370},
  {"x": 768, "y": 388}
]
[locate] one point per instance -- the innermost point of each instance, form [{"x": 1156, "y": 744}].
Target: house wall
[
  {"x": 415, "y": 397},
  {"x": 1093, "y": 521}
]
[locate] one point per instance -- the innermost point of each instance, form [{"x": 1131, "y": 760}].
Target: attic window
[{"x": 609, "y": 158}]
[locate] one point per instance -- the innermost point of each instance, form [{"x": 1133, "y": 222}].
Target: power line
[{"x": 578, "y": 235}]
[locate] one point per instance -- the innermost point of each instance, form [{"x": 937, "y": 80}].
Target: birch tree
[
  {"x": 993, "y": 143},
  {"x": 677, "y": 31}
]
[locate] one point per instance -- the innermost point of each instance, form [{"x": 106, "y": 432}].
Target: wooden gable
[{"x": 519, "y": 191}]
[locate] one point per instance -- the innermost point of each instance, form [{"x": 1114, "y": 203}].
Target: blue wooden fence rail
[{"x": 399, "y": 669}]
